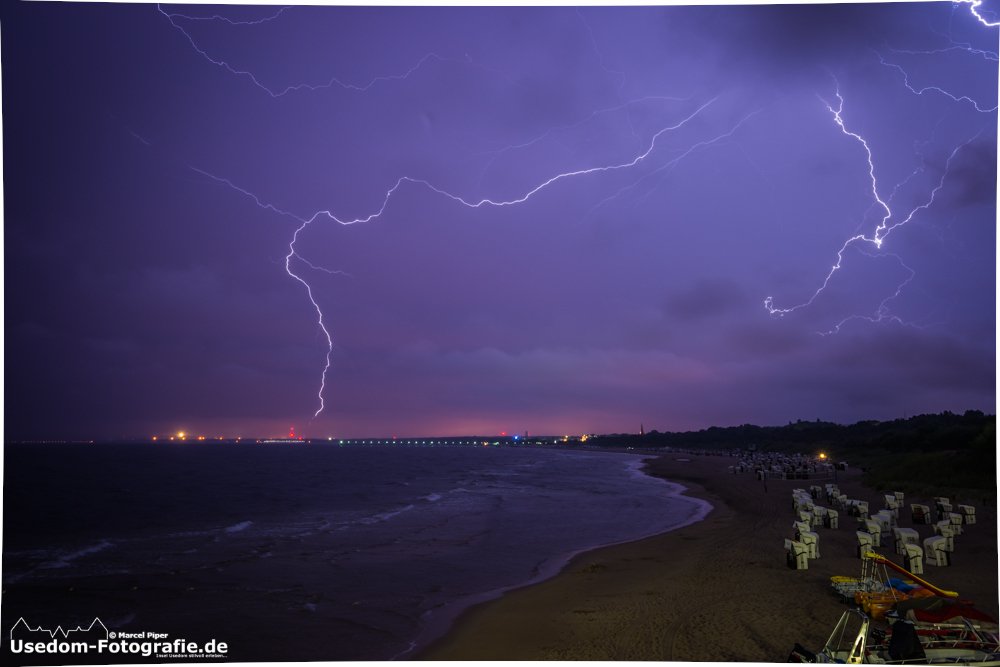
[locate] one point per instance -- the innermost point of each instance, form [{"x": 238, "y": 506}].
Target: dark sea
[{"x": 299, "y": 552}]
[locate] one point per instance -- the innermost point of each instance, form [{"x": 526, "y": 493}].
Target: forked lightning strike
[
  {"x": 305, "y": 222},
  {"x": 882, "y": 229}
]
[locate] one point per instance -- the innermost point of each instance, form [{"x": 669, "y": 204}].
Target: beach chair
[
  {"x": 899, "y": 497},
  {"x": 873, "y": 528},
  {"x": 943, "y": 510},
  {"x": 944, "y": 530},
  {"x": 890, "y": 502},
  {"x": 935, "y": 552},
  {"x": 884, "y": 523},
  {"x": 841, "y": 500},
  {"x": 811, "y": 540},
  {"x": 919, "y": 514},
  {"x": 815, "y": 491},
  {"x": 817, "y": 518},
  {"x": 904, "y": 536},
  {"x": 866, "y": 543},
  {"x": 863, "y": 508},
  {"x": 968, "y": 513},
  {"x": 805, "y": 517},
  {"x": 956, "y": 523},
  {"x": 797, "y": 557},
  {"x": 800, "y": 527},
  {"x": 913, "y": 558},
  {"x": 830, "y": 519}
]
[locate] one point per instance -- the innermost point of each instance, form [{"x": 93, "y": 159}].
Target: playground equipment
[{"x": 853, "y": 642}]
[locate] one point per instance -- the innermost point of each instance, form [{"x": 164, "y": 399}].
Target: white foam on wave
[
  {"x": 432, "y": 497},
  {"x": 384, "y": 516},
  {"x": 64, "y": 561},
  {"x": 238, "y": 527}
]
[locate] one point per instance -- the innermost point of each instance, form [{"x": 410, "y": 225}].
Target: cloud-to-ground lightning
[
  {"x": 649, "y": 152},
  {"x": 469, "y": 203},
  {"x": 884, "y": 227},
  {"x": 882, "y": 230}
]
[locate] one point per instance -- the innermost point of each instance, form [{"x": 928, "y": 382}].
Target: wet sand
[{"x": 718, "y": 590}]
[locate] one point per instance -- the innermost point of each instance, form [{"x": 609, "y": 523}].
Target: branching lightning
[
  {"x": 973, "y": 6},
  {"x": 305, "y": 222},
  {"x": 302, "y": 86},
  {"x": 884, "y": 227},
  {"x": 881, "y": 231},
  {"x": 921, "y": 91},
  {"x": 886, "y": 224}
]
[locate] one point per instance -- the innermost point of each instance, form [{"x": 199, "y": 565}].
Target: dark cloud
[
  {"x": 705, "y": 298},
  {"x": 663, "y": 170},
  {"x": 972, "y": 177}
]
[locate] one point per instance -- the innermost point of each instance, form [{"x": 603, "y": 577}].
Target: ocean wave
[
  {"x": 64, "y": 561},
  {"x": 384, "y": 515},
  {"x": 238, "y": 527}
]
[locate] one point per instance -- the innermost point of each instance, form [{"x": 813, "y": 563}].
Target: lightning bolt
[
  {"x": 303, "y": 86},
  {"x": 653, "y": 178},
  {"x": 906, "y": 82},
  {"x": 472, "y": 204},
  {"x": 884, "y": 228},
  {"x": 881, "y": 231},
  {"x": 973, "y": 6}
]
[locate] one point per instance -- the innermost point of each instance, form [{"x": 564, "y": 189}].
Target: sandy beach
[{"x": 718, "y": 590}]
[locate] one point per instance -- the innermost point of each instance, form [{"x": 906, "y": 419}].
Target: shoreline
[
  {"x": 715, "y": 590},
  {"x": 446, "y": 618}
]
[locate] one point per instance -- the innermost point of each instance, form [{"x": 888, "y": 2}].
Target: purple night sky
[{"x": 662, "y": 172}]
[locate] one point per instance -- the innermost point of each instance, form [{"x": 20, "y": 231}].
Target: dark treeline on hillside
[
  {"x": 926, "y": 453},
  {"x": 946, "y": 431}
]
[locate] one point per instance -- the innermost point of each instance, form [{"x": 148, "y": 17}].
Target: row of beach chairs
[{"x": 875, "y": 529}]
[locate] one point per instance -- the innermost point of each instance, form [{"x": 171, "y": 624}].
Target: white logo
[{"x": 25, "y": 639}]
